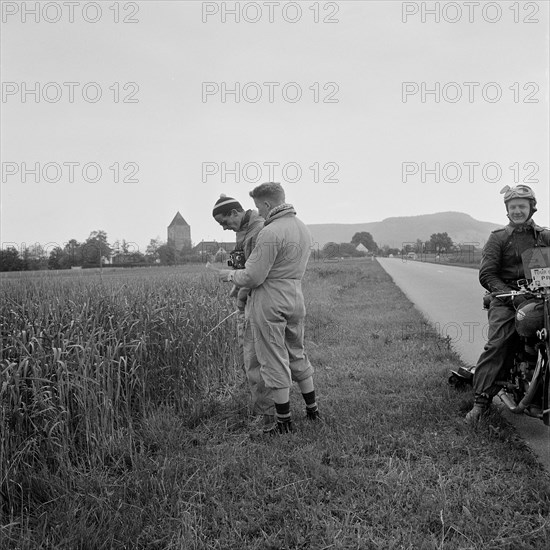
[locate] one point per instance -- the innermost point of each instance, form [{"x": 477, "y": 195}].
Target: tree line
[
  {"x": 438, "y": 243},
  {"x": 96, "y": 251}
]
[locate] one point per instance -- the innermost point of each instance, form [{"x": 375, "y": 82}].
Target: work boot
[
  {"x": 313, "y": 414},
  {"x": 480, "y": 408},
  {"x": 278, "y": 428},
  {"x": 467, "y": 374},
  {"x": 473, "y": 417}
]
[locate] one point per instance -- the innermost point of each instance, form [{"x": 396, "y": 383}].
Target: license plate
[{"x": 541, "y": 276}]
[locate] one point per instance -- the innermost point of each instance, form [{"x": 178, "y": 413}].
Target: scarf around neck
[
  {"x": 273, "y": 213},
  {"x": 521, "y": 227}
]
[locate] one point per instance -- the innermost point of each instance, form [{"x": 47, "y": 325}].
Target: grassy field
[
  {"x": 130, "y": 428},
  {"x": 470, "y": 259}
]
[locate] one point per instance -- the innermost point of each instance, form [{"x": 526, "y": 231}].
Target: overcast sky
[{"x": 363, "y": 103}]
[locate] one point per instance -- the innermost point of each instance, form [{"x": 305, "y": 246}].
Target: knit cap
[{"x": 225, "y": 204}]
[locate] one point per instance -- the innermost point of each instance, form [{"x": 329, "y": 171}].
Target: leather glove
[
  {"x": 506, "y": 300},
  {"x": 520, "y": 299},
  {"x": 487, "y": 299}
]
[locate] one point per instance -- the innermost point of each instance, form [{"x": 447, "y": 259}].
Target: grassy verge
[
  {"x": 390, "y": 467},
  {"x": 471, "y": 260},
  {"x": 474, "y": 265}
]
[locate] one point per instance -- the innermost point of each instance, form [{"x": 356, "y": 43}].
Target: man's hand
[
  {"x": 225, "y": 275},
  {"x": 519, "y": 299}
]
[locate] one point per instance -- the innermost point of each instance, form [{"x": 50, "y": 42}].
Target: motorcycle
[{"x": 526, "y": 387}]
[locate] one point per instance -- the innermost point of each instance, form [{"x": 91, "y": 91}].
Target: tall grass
[{"x": 83, "y": 360}]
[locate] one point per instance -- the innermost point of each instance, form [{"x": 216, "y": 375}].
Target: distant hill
[{"x": 462, "y": 229}]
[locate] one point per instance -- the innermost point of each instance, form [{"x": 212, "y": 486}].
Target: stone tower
[{"x": 179, "y": 233}]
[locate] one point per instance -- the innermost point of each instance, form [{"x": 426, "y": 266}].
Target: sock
[
  {"x": 283, "y": 412},
  {"x": 309, "y": 398}
]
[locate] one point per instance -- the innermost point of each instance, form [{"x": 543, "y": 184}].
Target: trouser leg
[
  {"x": 240, "y": 338},
  {"x": 262, "y": 401},
  {"x": 299, "y": 364},
  {"x": 497, "y": 355}
]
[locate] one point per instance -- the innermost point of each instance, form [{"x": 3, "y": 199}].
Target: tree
[
  {"x": 95, "y": 248},
  {"x": 365, "y": 238},
  {"x": 121, "y": 247},
  {"x": 129, "y": 259},
  {"x": 68, "y": 256},
  {"x": 58, "y": 259},
  {"x": 348, "y": 249},
  {"x": 73, "y": 254},
  {"x": 331, "y": 251},
  {"x": 10, "y": 260},
  {"x": 35, "y": 257},
  {"x": 387, "y": 250},
  {"x": 152, "y": 251},
  {"x": 167, "y": 255},
  {"x": 440, "y": 242}
]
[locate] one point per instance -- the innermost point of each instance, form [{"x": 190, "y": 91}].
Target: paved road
[{"x": 450, "y": 298}]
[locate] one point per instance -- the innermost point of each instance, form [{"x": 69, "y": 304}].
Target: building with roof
[
  {"x": 179, "y": 234},
  {"x": 212, "y": 248}
]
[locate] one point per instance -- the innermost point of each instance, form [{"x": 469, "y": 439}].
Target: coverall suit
[{"x": 275, "y": 310}]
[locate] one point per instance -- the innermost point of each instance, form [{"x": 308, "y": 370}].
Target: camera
[{"x": 236, "y": 259}]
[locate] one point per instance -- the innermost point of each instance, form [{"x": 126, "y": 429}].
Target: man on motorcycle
[{"x": 501, "y": 267}]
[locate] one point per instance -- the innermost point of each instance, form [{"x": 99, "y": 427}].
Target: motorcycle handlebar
[
  {"x": 516, "y": 293},
  {"x": 539, "y": 293}
]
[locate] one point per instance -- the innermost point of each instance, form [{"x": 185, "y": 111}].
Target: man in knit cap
[
  {"x": 229, "y": 213},
  {"x": 275, "y": 308}
]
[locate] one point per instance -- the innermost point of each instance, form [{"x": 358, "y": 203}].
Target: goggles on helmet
[{"x": 517, "y": 192}]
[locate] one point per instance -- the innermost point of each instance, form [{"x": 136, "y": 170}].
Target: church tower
[{"x": 179, "y": 233}]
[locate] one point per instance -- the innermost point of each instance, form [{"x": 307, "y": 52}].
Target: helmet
[
  {"x": 520, "y": 192},
  {"x": 530, "y": 318}
]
